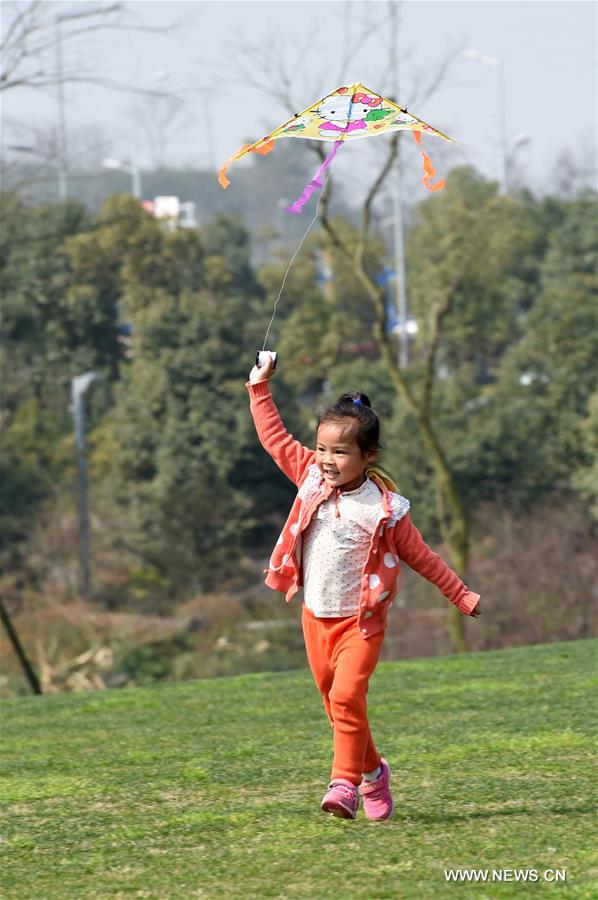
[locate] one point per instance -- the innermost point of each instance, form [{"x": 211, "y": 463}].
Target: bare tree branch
[
  {"x": 439, "y": 311},
  {"x": 302, "y": 51},
  {"x": 367, "y": 31},
  {"x": 90, "y": 13},
  {"x": 7, "y": 41},
  {"x": 40, "y": 80},
  {"x": 32, "y": 34},
  {"x": 436, "y": 76},
  {"x": 254, "y": 60},
  {"x": 367, "y": 206}
]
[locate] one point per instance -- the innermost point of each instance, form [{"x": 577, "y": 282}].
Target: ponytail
[{"x": 380, "y": 474}]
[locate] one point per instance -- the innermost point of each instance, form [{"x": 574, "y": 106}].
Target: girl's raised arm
[
  {"x": 289, "y": 454},
  {"x": 413, "y": 550}
]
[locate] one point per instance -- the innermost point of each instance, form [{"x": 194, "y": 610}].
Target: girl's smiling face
[{"x": 339, "y": 456}]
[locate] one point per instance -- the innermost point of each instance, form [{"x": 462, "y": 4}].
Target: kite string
[{"x": 299, "y": 246}]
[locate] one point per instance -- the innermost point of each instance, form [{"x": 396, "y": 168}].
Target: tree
[
  {"x": 454, "y": 270},
  {"x": 517, "y": 362},
  {"x": 584, "y": 478},
  {"x": 180, "y": 437},
  {"x": 547, "y": 377},
  {"x": 50, "y": 332},
  {"x": 45, "y": 336},
  {"x": 37, "y": 51},
  {"x": 160, "y": 120},
  {"x": 31, "y": 47}
]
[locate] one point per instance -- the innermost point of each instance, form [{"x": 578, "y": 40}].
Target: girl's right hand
[{"x": 261, "y": 373}]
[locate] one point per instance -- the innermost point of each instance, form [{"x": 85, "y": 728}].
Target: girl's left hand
[{"x": 476, "y": 611}]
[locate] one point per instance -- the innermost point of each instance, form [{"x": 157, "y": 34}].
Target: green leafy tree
[
  {"x": 49, "y": 333},
  {"x": 50, "y": 329},
  {"x": 474, "y": 277},
  {"x": 529, "y": 428},
  {"x": 584, "y": 477},
  {"x": 463, "y": 341},
  {"x": 452, "y": 253},
  {"x": 323, "y": 320},
  {"x": 183, "y": 458}
]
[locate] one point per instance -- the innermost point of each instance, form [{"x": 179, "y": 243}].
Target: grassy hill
[{"x": 212, "y": 788}]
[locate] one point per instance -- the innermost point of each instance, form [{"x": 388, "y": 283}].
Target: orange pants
[{"x": 341, "y": 662}]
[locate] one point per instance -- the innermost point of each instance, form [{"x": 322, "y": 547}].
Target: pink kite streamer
[{"x": 296, "y": 207}]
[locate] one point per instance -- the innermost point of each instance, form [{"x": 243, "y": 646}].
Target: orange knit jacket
[{"x": 395, "y": 538}]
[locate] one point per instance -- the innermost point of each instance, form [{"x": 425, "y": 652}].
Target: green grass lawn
[{"x": 212, "y": 788}]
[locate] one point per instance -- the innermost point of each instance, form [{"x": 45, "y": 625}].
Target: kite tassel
[
  {"x": 314, "y": 185},
  {"x": 428, "y": 168},
  {"x": 262, "y": 149},
  {"x": 223, "y": 181}
]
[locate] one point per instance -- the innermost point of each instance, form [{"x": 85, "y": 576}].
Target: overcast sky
[{"x": 547, "y": 52}]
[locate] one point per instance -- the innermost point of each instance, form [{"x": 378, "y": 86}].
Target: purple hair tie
[{"x": 358, "y": 401}]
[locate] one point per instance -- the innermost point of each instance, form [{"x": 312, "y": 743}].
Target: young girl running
[{"x": 342, "y": 541}]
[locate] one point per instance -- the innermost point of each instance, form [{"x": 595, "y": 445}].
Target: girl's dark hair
[{"x": 355, "y": 405}]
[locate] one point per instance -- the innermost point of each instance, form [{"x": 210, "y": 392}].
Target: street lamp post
[
  {"x": 62, "y": 146},
  {"x": 399, "y": 251},
  {"x": 79, "y": 385},
  {"x": 401, "y": 323},
  {"x": 62, "y": 130},
  {"x": 496, "y": 64},
  {"x": 397, "y": 204},
  {"x": 132, "y": 169},
  {"x": 508, "y": 153}
]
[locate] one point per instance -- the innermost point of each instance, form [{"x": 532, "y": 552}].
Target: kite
[{"x": 349, "y": 113}]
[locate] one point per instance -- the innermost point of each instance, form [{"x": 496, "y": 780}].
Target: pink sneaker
[
  {"x": 342, "y": 799},
  {"x": 377, "y": 799}
]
